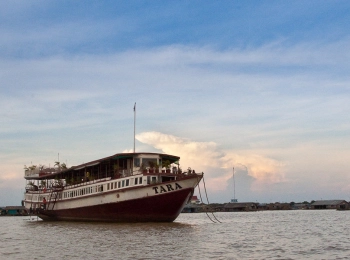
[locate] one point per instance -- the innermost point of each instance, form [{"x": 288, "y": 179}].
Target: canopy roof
[{"x": 117, "y": 156}]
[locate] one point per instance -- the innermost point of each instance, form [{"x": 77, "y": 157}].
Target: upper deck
[{"x": 115, "y": 166}]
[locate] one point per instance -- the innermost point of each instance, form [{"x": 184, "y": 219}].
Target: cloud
[
  {"x": 208, "y": 157},
  {"x": 204, "y": 154}
]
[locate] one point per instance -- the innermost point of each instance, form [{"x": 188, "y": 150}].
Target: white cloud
[{"x": 208, "y": 157}]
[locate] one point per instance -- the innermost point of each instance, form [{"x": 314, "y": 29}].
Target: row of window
[
  {"x": 94, "y": 189},
  {"x": 124, "y": 183},
  {"x": 99, "y": 188}
]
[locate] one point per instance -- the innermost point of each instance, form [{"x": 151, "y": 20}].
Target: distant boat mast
[{"x": 234, "y": 186}]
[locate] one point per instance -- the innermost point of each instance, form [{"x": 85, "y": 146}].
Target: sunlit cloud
[
  {"x": 193, "y": 154},
  {"x": 208, "y": 157}
]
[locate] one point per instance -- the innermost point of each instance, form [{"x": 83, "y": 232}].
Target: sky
[{"x": 258, "y": 90}]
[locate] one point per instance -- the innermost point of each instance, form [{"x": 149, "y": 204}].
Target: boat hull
[{"x": 162, "y": 208}]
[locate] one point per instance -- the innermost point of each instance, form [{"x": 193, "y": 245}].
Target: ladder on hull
[{"x": 55, "y": 193}]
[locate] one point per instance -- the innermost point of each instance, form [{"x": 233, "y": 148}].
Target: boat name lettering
[{"x": 167, "y": 188}]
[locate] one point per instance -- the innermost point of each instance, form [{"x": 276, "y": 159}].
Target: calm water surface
[{"x": 323, "y": 234}]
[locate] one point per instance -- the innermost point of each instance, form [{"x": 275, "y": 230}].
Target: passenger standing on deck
[{"x": 44, "y": 203}]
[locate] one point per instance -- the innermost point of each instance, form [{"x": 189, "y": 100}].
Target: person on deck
[{"x": 44, "y": 203}]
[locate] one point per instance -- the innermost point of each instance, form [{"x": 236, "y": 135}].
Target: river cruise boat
[{"x": 124, "y": 187}]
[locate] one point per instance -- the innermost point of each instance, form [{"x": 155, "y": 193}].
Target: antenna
[
  {"x": 134, "y": 124},
  {"x": 234, "y": 186}
]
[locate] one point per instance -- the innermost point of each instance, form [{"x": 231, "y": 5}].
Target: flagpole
[{"x": 134, "y": 124}]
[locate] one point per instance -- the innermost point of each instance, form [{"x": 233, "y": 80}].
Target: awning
[{"x": 82, "y": 167}]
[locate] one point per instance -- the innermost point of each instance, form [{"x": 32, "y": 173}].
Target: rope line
[
  {"x": 200, "y": 195},
  {"x": 205, "y": 189}
]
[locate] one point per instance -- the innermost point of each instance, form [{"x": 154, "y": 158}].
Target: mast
[
  {"x": 234, "y": 186},
  {"x": 134, "y": 124}
]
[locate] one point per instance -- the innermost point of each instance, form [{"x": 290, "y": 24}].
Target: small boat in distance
[{"x": 124, "y": 187}]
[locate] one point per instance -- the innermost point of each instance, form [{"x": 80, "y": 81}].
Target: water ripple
[{"x": 259, "y": 235}]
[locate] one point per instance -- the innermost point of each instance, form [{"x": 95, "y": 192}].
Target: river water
[{"x": 300, "y": 234}]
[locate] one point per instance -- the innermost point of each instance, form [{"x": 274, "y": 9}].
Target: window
[
  {"x": 137, "y": 162},
  {"x": 136, "y": 181},
  {"x": 127, "y": 183},
  {"x": 154, "y": 179},
  {"x": 140, "y": 180},
  {"x": 118, "y": 184},
  {"x": 123, "y": 183},
  {"x": 147, "y": 161}
]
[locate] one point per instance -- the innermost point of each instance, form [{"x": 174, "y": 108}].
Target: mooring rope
[
  {"x": 205, "y": 189},
  {"x": 200, "y": 195}
]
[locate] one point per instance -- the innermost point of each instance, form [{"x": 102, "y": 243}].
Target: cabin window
[
  {"x": 123, "y": 183},
  {"x": 115, "y": 185},
  {"x": 127, "y": 183},
  {"x": 136, "y": 181},
  {"x": 108, "y": 186},
  {"x": 147, "y": 161},
  {"x": 137, "y": 162},
  {"x": 140, "y": 180},
  {"x": 118, "y": 184},
  {"x": 154, "y": 179},
  {"x": 148, "y": 180}
]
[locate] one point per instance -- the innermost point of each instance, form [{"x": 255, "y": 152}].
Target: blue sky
[{"x": 262, "y": 86}]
